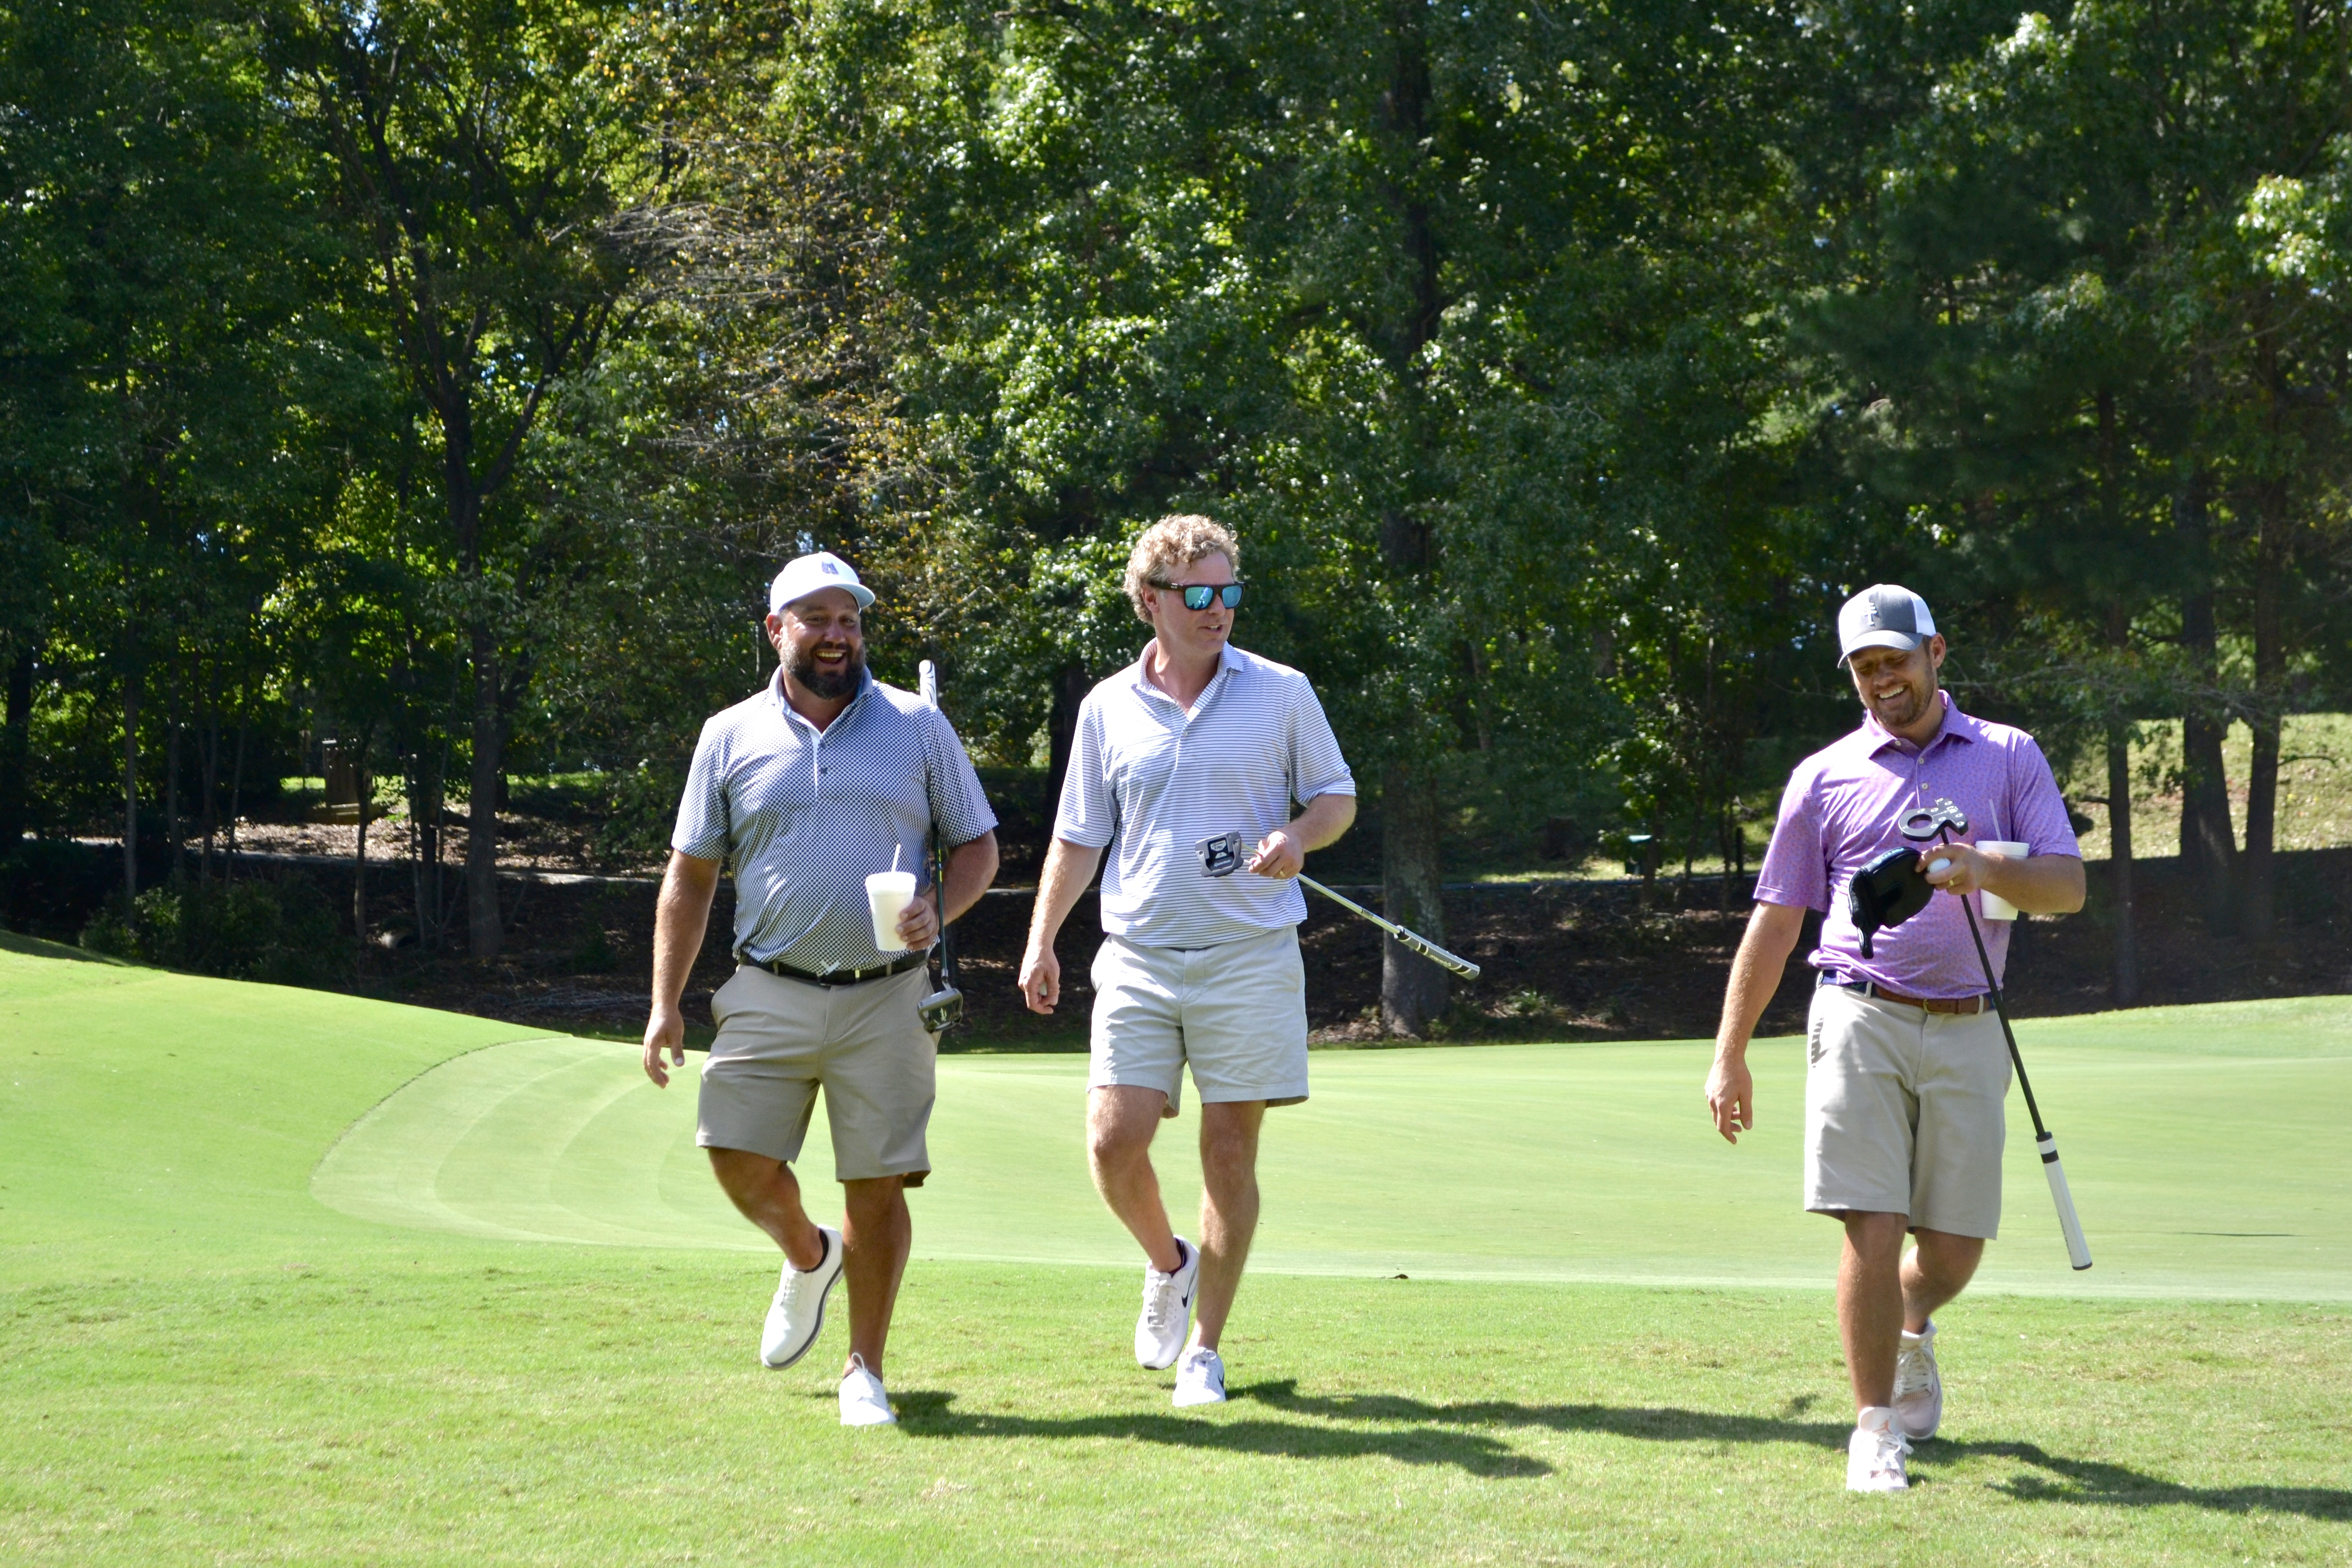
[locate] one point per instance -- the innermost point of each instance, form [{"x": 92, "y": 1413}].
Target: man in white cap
[
  {"x": 1908, "y": 1069},
  {"x": 822, "y": 777}
]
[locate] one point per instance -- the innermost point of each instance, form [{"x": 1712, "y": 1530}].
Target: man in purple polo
[{"x": 1907, "y": 1069}]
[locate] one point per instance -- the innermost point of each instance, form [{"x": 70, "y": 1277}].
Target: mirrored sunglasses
[{"x": 1198, "y": 595}]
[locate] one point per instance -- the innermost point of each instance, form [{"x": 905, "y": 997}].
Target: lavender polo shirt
[{"x": 1840, "y": 811}]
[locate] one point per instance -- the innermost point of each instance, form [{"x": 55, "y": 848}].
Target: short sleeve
[
  {"x": 960, "y": 808},
  {"x": 1796, "y": 868},
  {"x": 703, "y": 822},
  {"x": 1088, "y": 814},
  {"x": 2037, "y": 809},
  {"x": 1316, "y": 768}
]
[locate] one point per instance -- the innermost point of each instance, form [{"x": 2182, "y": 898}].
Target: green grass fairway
[{"x": 288, "y": 1276}]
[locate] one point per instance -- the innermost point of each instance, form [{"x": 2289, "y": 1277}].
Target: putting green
[{"x": 164, "y": 1111}]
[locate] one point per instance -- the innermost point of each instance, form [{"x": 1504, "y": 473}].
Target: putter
[
  {"x": 1223, "y": 856},
  {"x": 1939, "y": 822},
  {"x": 943, "y": 1009}
]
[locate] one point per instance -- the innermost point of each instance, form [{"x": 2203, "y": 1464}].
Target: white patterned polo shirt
[
  {"x": 802, "y": 815},
  {"x": 1149, "y": 781}
]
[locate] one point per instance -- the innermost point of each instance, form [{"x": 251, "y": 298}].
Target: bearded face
[{"x": 829, "y": 665}]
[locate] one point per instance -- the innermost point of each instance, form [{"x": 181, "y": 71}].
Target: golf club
[
  {"x": 943, "y": 1009},
  {"x": 1939, "y": 822},
  {"x": 1222, "y": 856}
]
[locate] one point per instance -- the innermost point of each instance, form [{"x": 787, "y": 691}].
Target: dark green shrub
[{"x": 281, "y": 933}]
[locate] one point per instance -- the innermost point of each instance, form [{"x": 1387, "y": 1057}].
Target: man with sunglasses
[{"x": 1195, "y": 740}]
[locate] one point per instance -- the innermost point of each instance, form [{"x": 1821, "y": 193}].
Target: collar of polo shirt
[
  {"x": 1229, "y": 661},
  {"x": 1957, "y": 726}
]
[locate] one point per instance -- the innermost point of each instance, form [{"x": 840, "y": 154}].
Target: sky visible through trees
[{"x": 449, "y": 377}]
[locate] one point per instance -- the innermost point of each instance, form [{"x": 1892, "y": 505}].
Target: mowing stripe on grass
[{"x": 1558, "y": 1162}]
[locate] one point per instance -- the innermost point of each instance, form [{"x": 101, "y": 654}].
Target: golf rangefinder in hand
[{"x": 1223, "y": 856}]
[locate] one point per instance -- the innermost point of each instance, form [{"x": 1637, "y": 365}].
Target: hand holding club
[{"x": 1278, "y": 857}]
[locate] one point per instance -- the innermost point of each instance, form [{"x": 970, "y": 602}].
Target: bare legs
[
  {"x": 1881, "y": 1292},
  {"x": 1121, "y": 1121},
  {"x": 877, "y": 1235}
]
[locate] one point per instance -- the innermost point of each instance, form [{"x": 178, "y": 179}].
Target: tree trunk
[
  {"x": 1070, "y": 688},
  {"x": 131, "y": 786},
  {"x": 175, "y": 871},
  {"x": 2258, "y": 879},
  {"x": 211, "y": 805},
  {"x": 1412, "y": 989},
  {"x": 360, "y": 848},
  {"x": 235, "y": 800},
  {"x": 482, "y": 927},
  {"x": 16, "y": 753},
  {"x": 2209, "y": 849},
  {"x": 2119, "y": 865}
]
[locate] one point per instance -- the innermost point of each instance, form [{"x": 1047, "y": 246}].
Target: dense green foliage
[{"x": 447, "y": 375}]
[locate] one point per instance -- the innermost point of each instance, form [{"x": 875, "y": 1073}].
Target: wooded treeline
[{"x": 449, "y": 375}]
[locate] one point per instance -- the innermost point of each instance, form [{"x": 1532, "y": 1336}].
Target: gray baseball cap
[{"x": 1883, "y": 615}]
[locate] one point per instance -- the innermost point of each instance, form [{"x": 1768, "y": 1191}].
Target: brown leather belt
[
  {"x": 838, "y": 976},
  {"x": 1963, "y": 1006}
]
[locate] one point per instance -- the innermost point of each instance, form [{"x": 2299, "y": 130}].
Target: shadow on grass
[
  {"x": 2076, "y": 1480},
  {"x": 2090, "y": 1481},
  {"x": 928, "y": 1413}
]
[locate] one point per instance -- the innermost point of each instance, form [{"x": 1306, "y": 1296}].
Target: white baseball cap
[
  {"x": 1883, "y": 615},
  {"x": 806, "y": 574}
]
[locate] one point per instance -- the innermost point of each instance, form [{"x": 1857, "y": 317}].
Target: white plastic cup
[
  {"x": 1995, "y": 906},
  {"x": 887, "y": 894}
]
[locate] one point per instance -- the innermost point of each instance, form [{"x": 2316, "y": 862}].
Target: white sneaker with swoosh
[
  {"x": 1200, "y": 1377},
  {"x": 1166, "y": 1320}
]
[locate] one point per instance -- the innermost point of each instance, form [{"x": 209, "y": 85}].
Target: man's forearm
[
  {"x": 681, "y": 916},
  {"x": 1068, "y": 869},
  {"x": 1756, "y": 973},
  {"x": 2039, "y": 884},
  {"x": 1325, "y": 818},
  {"x": 972, "y": 866}
]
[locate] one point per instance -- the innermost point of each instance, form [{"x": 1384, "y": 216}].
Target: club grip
[
  {"x": 1438, "y": 955},
  {"x": 2078, "y": 1251}
]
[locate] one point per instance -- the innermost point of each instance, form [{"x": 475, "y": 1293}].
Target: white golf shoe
[
  {"x": 798, "y": 1311},
  {"x": 1167, "y": 1316},
  {"x": 1873, "y": 1455},
  {"x": 863, "y": 1401},
  {"x": 1200, "y": 1377},
  {"x": 1918, "y": 1386}
]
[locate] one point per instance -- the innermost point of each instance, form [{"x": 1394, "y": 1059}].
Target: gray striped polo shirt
[
  {"x": 802, "y": 815},
  {"x": 1151, "y": 781}
]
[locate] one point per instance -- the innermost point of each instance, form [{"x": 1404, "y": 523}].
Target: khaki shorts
[
  {"x": 1236, "y": 1012},
  {"x": 1903, "y": 1112},
  {"x": 779, "y": 1040}
]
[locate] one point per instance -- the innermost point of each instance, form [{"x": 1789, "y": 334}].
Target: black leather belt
[
  {"x": 1965, "y": 1006},
  {"x": 838, "y": 976}
]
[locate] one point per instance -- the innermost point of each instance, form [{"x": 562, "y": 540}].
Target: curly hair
[{"x": 1175, "y": 542}]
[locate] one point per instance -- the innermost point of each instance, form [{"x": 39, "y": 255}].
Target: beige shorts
[
  {"x": 1904, "y": 1113},
  {"x": 780, "y": 1040},
  {"x": 1236, "y": 1012}
]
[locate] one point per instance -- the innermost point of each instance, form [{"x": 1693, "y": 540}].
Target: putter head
[
  {"x": 942, "y": 1010},
  {"x": 1221, "y": 856},
  {"x": 1926, "y": 823},
  {"x": 1887, "y": 892}
]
